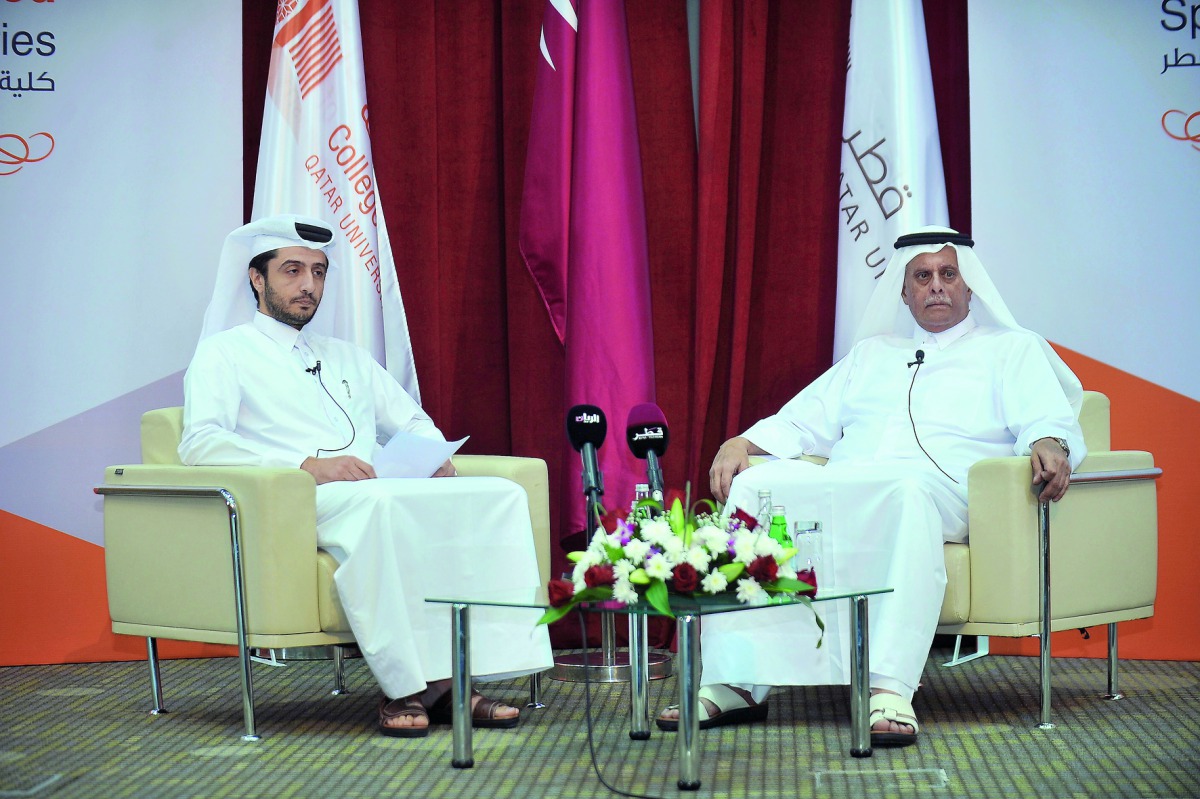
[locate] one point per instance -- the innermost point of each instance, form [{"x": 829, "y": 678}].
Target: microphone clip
[
  {"x": 920, "y": 359},
  {"x": 314, "y": 370}
]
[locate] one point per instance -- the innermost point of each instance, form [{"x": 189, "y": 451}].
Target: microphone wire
[
  {"x": 316, "y": 370},
  {"x": 587, "y": 696},
  {"x": 919, "y": 362}
]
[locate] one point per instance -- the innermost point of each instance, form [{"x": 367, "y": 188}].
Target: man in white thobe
[
  {"x": 940, "y": 377},
  {"x": 268, "y": 392}
]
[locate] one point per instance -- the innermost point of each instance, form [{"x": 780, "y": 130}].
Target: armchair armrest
[
  {"x": 529, "y": 473},
  {"x": 1104, "y": 542},
  {"x": 168, "y": 559}
]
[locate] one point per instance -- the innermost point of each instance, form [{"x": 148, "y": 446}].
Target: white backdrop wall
[
  {"x": 120, "y": 173},
  {"x": 1084, "y": 199}
]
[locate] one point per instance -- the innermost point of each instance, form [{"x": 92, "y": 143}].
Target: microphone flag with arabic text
[
  {"x": 892, "y": 180},
  {"x": 315, "y": 159},
  {"x": 583, "y": 225}
]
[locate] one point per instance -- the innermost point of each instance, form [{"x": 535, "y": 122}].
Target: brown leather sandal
[
  {"x": 483, "y": 715},
  {"x": 395, "y": 708}
]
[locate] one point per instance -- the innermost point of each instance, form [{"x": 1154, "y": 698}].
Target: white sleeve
[
  {"x": 1033, "y": 402},
  {"x": 810, "y": 423},
  {"x": 212, "y": 400},
  {"x": 395, "y": 409}
]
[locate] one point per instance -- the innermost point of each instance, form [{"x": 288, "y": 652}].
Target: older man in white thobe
[
  {"x": 940, "y": 377},
  {"x": 271, "y": 392}
]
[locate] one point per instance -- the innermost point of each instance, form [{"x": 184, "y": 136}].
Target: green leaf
[
  {"x": 554, "y": 614},
  {"x": 786, "y": 584},
  {"x": 575, "y": 557},
  {"x": 639, "y": 577},
  {"x": 732, "y": 570},
  {"x": 614, "y": 553},
  {"x": 787, "y": 555},
  {"x": 657, "y": 596}
]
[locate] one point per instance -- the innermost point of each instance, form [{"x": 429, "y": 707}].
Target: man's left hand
[
  {"x": 1051, "y": 469},
  {"x": 446, "y": 470}
]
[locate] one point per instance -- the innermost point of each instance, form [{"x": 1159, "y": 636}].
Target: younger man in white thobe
[
  {"x": 268, "y": 392},
  {"x": 940, "y": 377}
]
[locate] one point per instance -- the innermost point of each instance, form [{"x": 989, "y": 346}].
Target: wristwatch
[{"x": 1062, "y": 442}]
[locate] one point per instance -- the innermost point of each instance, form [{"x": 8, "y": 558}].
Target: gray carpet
[{"x": 82, "y": 731}]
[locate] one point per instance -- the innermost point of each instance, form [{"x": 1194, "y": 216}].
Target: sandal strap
[
  {"x": 892, "y": 707},
  {"x": 406, "y": 706}
]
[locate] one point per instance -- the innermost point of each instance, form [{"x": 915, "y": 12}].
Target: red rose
[
  {"x": 560, "y": 592},
  {"x": 808, "y": 576},
  {"x": 746, "y": 519},
  {"x": 764, "y": 569},
  {"x": 599, "y": 575},
  {"x": 609, "y": 521},
  {"x": 685, "y": 578}
]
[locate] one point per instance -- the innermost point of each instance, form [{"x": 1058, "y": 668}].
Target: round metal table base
[{"x": 570, "y": 668}]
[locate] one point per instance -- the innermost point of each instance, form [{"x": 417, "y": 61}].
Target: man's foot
[
  {"x": 485, "y": 712},
  {"x": 893, "y": 722},
  {"x": 403, "y": 718},
  {"x": 720, "y": 705}
]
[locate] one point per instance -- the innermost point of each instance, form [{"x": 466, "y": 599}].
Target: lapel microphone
[
  {"x": 315, "y": 370},
  {"x": 920, "y": 360}
]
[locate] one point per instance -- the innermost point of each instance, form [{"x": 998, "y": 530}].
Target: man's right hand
[
  {"x": 732, "y": 458},
  {"x": 343, "y": 467}
]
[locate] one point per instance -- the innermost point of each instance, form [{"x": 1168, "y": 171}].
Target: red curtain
[{"x": 742, "y": 224}]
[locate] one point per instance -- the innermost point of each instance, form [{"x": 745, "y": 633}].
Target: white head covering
[
  {"x": 887, "y": 314},
  {"x": 233, "y": 301}
]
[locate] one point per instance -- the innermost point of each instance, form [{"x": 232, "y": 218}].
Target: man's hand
[
  {"x": 732, "y": 458},
  {"x": 1051, "y": 469},
  {"x": 343, "y": 467},
  {"x": 446, "y": 470}
]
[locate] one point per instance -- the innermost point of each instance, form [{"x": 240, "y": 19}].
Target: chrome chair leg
[
  {"x": 1113, "y": 692},
  {"x": 339, "y": 671},
  {"x": 155, "y": 677},
  {"x": 535, "y": 692}
]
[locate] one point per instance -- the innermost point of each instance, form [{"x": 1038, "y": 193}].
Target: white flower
[
  {"x": 589, "y": 558},
  {"x": 656, "y": 530},
  {"x": 698, "y": 558},
  {"x": 623, "y": 592},
  {"x": 672, "y": 547},
  {"x": 658, "y": 567},
  {"x": 744, "y": 548},
  {"x": 765, "y": 545},
  {"x": 623, "y": 568},
  {"x": 750, "y": 592},
  {"x": 787, "y": 572},
  {"x": 636, "y": 550},
  {"x": 714, "y": 583},
  {"x": 714, "y": 538}
]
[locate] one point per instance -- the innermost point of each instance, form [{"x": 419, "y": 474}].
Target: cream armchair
[
  {"x": 228, "y": 555},
  {"x": 1101, "y": 569}
]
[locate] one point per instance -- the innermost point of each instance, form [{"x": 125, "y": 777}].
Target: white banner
[
  {"x": 1085, "y": 167},
  {"x": 315, "y": 159},
  {"x": 120, "y": 174},
  {"x": 891, "y": 179}
]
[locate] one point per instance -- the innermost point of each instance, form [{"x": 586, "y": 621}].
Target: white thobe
[
  {"x": 885, "y": 507},
  {"x": 254, "y": 396}
]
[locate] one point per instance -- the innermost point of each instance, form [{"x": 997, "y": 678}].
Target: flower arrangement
[{"x": 655, "y": 555}]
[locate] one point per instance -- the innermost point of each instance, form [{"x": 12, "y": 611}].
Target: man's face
[
  {"x": 934, "y": 290},
  {"x": 290, "y": 290}
]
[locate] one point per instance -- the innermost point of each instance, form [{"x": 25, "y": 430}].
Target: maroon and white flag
[{"x": 583, "y": 224}]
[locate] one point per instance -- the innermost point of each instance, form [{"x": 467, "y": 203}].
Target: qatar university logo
[{"x": 1181, "y": 126}]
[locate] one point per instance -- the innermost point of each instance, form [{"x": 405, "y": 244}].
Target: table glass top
[{"x": 680, "y": 605}]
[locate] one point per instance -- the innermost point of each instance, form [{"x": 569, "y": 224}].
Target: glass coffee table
[{"x": 688, "y": 612}]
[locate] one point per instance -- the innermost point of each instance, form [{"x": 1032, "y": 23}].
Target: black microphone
[
  {"x": 312, "y": 370},
  {"x": 920, "y": 360},
  {"x": 586, "y": 428},
  {"x": 646, "y": 432}
]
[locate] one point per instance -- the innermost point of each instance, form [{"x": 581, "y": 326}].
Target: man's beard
[{"x": 279, "y": 309}]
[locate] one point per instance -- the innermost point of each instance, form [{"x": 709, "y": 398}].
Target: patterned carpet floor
[{"x": 82, "y": 731}]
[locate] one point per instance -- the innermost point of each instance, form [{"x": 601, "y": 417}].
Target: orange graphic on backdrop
[
  {"x": 17, "y": 151},
  {"x": 1182, "y": 131}
]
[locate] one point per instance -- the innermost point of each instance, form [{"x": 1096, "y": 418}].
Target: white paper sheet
[{"x": 408, "y": 455}]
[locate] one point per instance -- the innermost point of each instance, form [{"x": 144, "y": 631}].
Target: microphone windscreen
[
  {"x": 586, "y": 425},
  {"x": 646, "y": 430}
]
